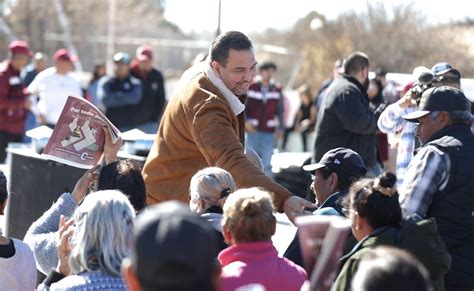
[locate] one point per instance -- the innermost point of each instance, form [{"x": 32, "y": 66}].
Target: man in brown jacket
[{"x": 203, "y": 126}]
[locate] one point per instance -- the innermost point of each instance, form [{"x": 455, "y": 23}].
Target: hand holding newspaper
[
  {"x": 322, "y": 240},
  {"x": 79, "y": 135}
]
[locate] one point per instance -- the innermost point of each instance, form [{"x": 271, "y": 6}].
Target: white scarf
[{"x": 234, "y": 102}]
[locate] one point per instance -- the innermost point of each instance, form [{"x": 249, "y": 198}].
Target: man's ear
[
  {"x": 334, "y": 182},
  {"x": 445, "y": 118},
  {"x": 216, "y": 66},
  {"x": 129, "y": 276}
]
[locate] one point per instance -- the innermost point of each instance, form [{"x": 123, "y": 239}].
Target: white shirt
[
  {"x": 18, "y": 272},
  {"x": 53, "y": 90}
]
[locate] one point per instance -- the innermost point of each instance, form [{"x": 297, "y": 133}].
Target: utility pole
[
  {"x": 111, "y": 36},
  {"x": 219, "y": 20},
  {"x": 64, "y": 22}
]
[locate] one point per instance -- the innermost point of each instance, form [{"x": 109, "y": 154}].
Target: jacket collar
[
  {"x": 354, "y": 81},
  {"x": 234, "y": 102},
  {"x": 452, "y": 129},
  {"x": 247, "y": 251},
  {"x": 368, "y": 241},
  {"x": 332, "y": 200}
]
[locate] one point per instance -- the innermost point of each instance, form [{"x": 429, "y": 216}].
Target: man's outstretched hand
[{"x": 294, "y": 206}]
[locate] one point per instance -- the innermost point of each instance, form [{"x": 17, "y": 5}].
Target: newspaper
[
  {"x": 322, "y": 240},
  {"x": 79, "y": 135}
]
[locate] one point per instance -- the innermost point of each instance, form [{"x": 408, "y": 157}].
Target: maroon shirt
[
  {"x": 12, "y": 100},
  {"x": 262, "y": 107}
]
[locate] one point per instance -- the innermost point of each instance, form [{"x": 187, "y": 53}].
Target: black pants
[{"x": 6, "y": 138}]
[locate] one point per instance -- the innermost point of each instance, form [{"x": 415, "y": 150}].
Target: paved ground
[{"x": 284, "y": 234}]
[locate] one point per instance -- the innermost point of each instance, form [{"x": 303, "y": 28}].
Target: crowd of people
[
  {"x": 133, "y": 97},
  {"x": 200, "y": 215}
]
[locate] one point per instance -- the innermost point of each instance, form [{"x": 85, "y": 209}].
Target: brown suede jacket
[{"x": 198, "y": 130}]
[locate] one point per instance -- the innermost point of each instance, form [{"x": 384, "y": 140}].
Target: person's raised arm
[{"x": 110, "y": 148}]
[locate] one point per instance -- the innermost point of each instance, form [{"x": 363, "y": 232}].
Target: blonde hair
[
  {"x": 103, "y": 234},
  {"x": 211, "y": 185},
  {"x": 248, "y": 215}
]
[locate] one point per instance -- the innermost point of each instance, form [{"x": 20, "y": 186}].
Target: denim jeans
[{"x": 262, "y": 144}]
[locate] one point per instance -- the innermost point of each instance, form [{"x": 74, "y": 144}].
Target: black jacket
[
  {"x": 453, "y": 208},
  {"x": 345, "y": 120},
  {"x": 120, "y": 97}
]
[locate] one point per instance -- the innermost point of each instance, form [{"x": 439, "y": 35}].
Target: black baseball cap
[
  {"x": 442, "y": 98},
  {"x": 174, "y": 248},
  {"x": 340, "y": 159}
]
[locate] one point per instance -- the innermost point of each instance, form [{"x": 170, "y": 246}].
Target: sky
[{"x": 257, "y": 15}]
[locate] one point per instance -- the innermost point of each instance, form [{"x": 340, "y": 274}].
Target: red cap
[
  {"x": 20, "y": 47},
  {"x": 144, "y": 53},
  {"x": 63, "y": 54}
]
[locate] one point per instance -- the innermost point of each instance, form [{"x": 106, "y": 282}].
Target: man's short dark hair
[
  {"x": 267, "y": 66},
  {"x": 356, "y": 62},
  {"x": 221, "y": 46}
]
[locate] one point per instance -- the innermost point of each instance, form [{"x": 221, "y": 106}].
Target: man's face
[
  {"x": 145, "y": 65},
  {"x": 267, "y": 74},
  {"x": 238, "y": 72},
  {"x": 20, "y": 61},
  {"x": 121, "y": 70},
  {"x": 40, "y": 64},
  {"x": 427, "y": 126},
  {"x": 64, "y": 66},
  {"x": 321, "y": 187}
]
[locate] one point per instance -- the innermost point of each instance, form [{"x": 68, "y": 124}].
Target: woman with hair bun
[
  {"x": 208, "y": 191},
  {"x": 248, "y": 226},
  {"x": 373, "y": 208}
]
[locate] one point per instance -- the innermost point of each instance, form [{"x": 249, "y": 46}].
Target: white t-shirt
[
  {"x": 18, "y": 272},
  {"x": 53, "y": 90}
]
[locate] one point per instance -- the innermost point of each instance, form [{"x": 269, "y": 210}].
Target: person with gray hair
[
  {"x": 42, "y": 235},
  {"x": 439, "y": 180},
  {"x": 209, "y": 188},
  {"x": 92, "y": 252}
]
